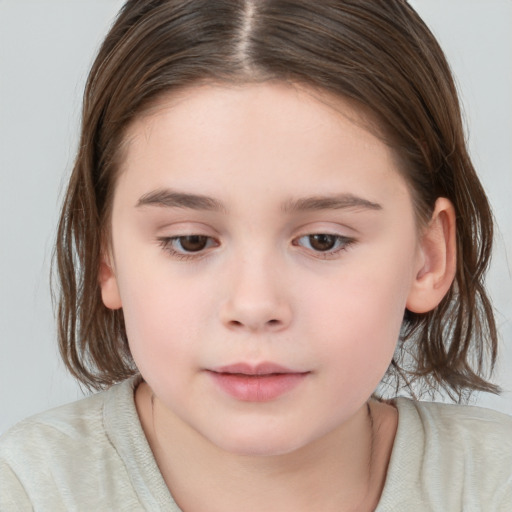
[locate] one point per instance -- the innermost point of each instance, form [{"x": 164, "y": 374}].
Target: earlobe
[
  {"x": 437, "y": 261},
  {"x": 108, "y": 284}
]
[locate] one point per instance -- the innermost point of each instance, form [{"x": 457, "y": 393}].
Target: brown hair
[{"x": 376, "y": 53}]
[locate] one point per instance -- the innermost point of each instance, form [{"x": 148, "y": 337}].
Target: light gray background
[{"x": 46, "y": 48}]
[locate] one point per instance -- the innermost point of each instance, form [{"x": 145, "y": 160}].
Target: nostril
[{"x": 270, "y": 323}]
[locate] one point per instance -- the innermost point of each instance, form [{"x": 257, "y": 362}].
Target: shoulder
[
  {"x": 63, "y": 454},
  {"x": 475, "y": 433},
  {"x": 452, "y": 457},
  {"x": 72, "y": 424}
]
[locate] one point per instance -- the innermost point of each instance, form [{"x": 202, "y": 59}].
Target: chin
[{"x": 264, "y": 442}]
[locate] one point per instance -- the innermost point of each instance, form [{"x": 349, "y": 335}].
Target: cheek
[
  {"x": 162, "y": 319},
  {"x": 364, "y": 325},
  {"x": 361, "y": 323}
]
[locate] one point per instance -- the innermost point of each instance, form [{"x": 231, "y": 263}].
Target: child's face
[{"x": 298, "y": 248}]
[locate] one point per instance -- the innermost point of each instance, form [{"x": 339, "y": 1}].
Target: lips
[{"x": 256, "y": 383}]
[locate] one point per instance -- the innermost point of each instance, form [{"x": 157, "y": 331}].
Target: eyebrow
[
  {"x": 174, "y": 199},
  {"x": 335, "y": 202}
]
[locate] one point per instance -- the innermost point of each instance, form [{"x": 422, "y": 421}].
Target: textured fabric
[
  {"x": 92, "y": 455},
  {"x": 449, "y": 458}
]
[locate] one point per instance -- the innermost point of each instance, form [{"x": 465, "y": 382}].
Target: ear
[
  {"x": 108, "y": 282},
  {"x": 437, "y": 260}
]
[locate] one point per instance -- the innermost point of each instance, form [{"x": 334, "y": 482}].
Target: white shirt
[{"x": 92, "y": 455}]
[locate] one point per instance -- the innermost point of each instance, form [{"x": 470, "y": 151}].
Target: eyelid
[
  {"x": 167, "y": 244},
  {"x": 343, "y": 243},
  {"x": 179, "y": 227}
]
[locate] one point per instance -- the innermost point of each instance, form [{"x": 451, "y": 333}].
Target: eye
[
  {"x": 191, "y": 243},
  {"x": 187, "y": 245},
  {"x": 324, "y": 242}
]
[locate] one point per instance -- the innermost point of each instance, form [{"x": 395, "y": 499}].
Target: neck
[{"x": 343, "y": 470}]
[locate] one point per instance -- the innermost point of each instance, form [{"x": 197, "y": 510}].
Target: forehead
[
  {"x": 202, "y": 104},
  {"x": 283, "y": 134}
]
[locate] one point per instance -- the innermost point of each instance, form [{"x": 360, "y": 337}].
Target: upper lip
[{"x": 265, "y": 368}]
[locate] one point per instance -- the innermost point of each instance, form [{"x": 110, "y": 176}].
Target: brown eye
[
  {"x": 187, "y": 246},
  {"x": 192, "y": 243},
  {"x": 323, "y": 242}
]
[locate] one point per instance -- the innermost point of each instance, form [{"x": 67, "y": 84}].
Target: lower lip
[{"x": 257, "y": 388}]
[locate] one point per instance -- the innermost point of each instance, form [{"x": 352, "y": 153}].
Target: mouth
[
  {"x": 256, "y": 383},
  {"x": 254, "y": 370}
]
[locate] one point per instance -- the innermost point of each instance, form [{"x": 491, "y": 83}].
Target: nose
[{"x": 257, "y": 298}]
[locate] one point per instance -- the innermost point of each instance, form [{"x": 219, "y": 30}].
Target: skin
[{"x": 261, "y": 291}]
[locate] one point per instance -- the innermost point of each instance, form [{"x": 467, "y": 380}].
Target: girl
[{"x": 268, "y": 195}]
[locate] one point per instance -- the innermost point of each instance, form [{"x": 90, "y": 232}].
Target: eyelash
[
  {"x": 342, "y": 243},
  {"x": 167, "y": 243}
]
